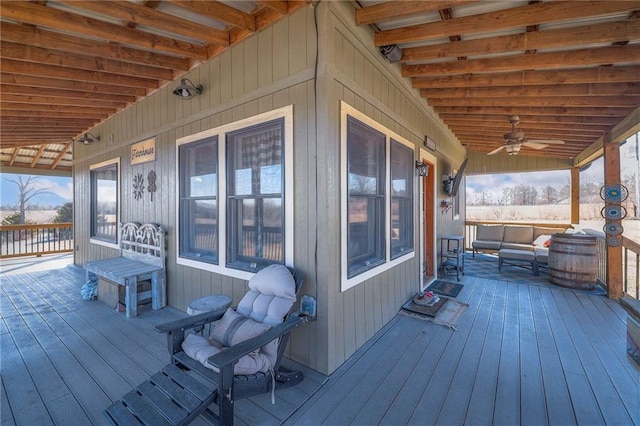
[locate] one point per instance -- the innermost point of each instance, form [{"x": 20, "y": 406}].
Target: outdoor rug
[
  {"x": 445, "y": 288},
  {"x": 448, "y": 312}
]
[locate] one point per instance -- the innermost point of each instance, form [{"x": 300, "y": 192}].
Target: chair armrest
[
  {"x": 191, "y": 321},
  {"x": 230, "y": 356}
]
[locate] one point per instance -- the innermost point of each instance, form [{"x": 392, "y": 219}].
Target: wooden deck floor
[{"x": 522, "y": 354}]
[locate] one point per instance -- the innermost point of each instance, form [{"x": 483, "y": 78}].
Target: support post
[
  {"x": 575, "y": 195},
  {"x": 614, "y": 254}
]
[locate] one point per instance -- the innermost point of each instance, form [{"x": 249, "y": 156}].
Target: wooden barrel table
[{"x": 573, "y": 261}]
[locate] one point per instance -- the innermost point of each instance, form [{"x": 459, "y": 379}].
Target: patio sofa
[{"x": 493, "y": 238}]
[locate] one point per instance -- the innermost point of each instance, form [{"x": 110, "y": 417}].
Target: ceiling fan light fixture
[
  {"x": 187, "y": 90},
  {"x": 88, "y": 139},
  {"x": 513, "y": 149}
]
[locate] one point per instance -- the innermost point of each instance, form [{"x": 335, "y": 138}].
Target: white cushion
[
  {"x": 234, "y": 328},
  {"x": 541, "y": 240},
  {"x": 272, "y": 292}
]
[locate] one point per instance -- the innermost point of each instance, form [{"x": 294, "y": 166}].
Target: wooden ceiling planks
[
  {"x": 568, "y": 70},
  {"x": 68, "y": 65}
]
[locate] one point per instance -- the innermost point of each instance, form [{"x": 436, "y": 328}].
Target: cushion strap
[{"x": 232, "y": 329}]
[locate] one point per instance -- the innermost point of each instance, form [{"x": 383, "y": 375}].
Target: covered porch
[{"x": 523, "y": 353}]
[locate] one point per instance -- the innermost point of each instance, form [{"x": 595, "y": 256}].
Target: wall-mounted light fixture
[
  {"x": 186, "y": 89},
  {"x": 392, "y": 52},
  {"x": 423, "y": 169},
  {"x": 88, "y": 139}
]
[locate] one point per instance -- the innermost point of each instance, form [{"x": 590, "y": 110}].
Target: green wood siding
[{"x": 270, "y": 70}]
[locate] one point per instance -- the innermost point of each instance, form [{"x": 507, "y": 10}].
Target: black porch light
[{"x": 187, "y": 90}]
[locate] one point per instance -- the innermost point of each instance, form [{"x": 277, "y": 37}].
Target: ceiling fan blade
[
  {"x": 497, "y": 150},
  {"x": 547, "y": 141},
  {"x": 535, "y": 144}
]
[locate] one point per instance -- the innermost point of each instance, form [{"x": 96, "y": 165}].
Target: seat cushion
[
  {"x": 489, "y": 232},
  {"x": 542, "y": 255},
  {"x": 516, "y": 246},
  {"x": 234, "y": 328},
  {"x": 518, "y": 234},
  {"x": 486, "y": 245},
  {"x": 538, "y": 230},
  {"x": 527, "y": 255}
]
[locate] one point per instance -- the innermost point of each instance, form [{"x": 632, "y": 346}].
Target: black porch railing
[{"x": 35, "y": 240}]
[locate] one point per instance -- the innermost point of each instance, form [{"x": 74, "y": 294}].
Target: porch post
[
  {"x": 575, "y": 195},
  {"x": 614, "y": 254}
]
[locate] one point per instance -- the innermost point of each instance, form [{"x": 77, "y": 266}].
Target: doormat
[
  {"x": 445, "y": 288},
  {"x": 448, "y": 314},
  {"x": 430, "y": 311}
]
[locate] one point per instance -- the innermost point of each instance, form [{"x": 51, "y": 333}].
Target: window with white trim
[
  {"x": 105, "y": 202},
  {"x": 236, "y": 195},
  {"x": 378, "y": 193}
]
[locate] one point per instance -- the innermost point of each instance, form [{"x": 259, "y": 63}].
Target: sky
[
  {"x": 494, "y": 184},
  {"x": 59, "y": 189}
]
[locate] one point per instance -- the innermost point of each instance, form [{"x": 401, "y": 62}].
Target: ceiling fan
[{"x": 514, "y": 140}]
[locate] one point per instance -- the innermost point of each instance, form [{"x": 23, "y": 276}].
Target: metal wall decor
[
  {"x": 151, "y": 183},
  {"x": 613, "y": 212},
  {"x": 138, "y": 186},
  {"x": 614, "y": 241},
  {"x": 615, "y": 193},
  {"x": 613, "y": 228}
]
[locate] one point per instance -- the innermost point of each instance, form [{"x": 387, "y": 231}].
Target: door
[{"x": 428, "y": 220}]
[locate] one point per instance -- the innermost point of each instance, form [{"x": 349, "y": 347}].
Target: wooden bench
[{"x": 142, "y": 257}]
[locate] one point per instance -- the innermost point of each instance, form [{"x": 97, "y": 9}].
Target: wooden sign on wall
[{"x": 143, "y": 152}]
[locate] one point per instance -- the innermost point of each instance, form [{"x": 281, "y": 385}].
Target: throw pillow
[{"x": 542, "y": 240}]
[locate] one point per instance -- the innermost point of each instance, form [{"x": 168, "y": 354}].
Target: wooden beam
[
  {"x": 51, "y": 101},
  {"x": 540, "y": 101},
  {"x": 398, "y": 9},
  {"x": 50, "y": 122},
  {"x": 60, "y": 93},
  {"x": 591, "y": 89},
  {"x": 14, "y": 155},
  {"x": 280, "y": 7},
  {"x": 68, "y": 22},
  {"x": 615, "y": 288},
  {"x": 553, "y": 60},
  {"x": 34, "y": 69},
  {"x": 84, "y": 114},
  {"x": 80, "y": 86},
  {"x": 532, "y": 133},
  {"x": 38, "y": 155},
  {"x": 534, "y": 14},
  {"x": 609, "y": 32},
  {"x": 72, "y": 60},
  {"x": 32, "y": 36},
  {"x": 585, "y": 122},
  {"x": 602, "y": 74},
  {"x": 60, "y": 156},
  {"x": 220, "y": 12},
  {"x": 501, "y": 122},
  {"x": 575, "y": 195},
  {"x": 558, "y": 111},
  {"x": 10, "y": 107},
  {"x": 143, "y": 15}
]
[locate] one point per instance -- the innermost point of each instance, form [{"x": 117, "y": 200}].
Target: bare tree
[{"x": 26, "y": 192}]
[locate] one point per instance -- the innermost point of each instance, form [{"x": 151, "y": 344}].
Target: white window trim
[
  {"x": 346, "y": 282},
  {"x": 288, "y": 193},
  {"x": 95, "y": 240}
]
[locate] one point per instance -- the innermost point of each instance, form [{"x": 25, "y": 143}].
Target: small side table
[
  {"x": 208, "y": 303},
  {"x": 452, "y": 254}
]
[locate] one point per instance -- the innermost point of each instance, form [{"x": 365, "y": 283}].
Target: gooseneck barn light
[
  {"x": 187, "y": 90},
  {"x": 88, "y": 139}
]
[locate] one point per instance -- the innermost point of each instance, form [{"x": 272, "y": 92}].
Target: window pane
[
  {"x": 255, "y": 200},
  {"x": 104, "y": 196},
  {"x": 401, "y": 199},
  {"x": 365, "y": 151},
  {"x": 366, "y": 248},
  {"x": 198, "y": 219},
  {"x": 366, "y": 217},
  {"x": 200, "y": 240}
]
